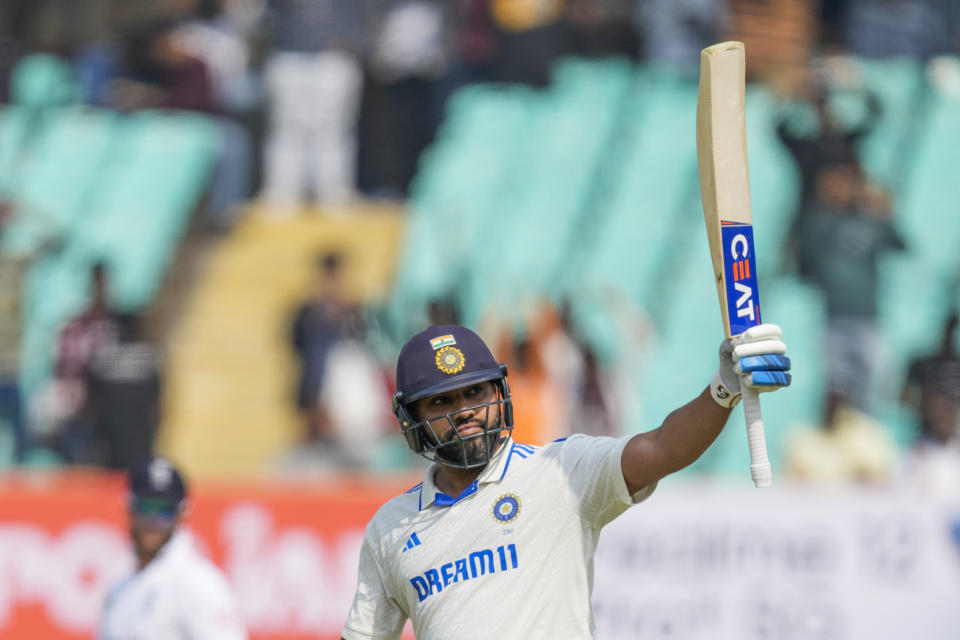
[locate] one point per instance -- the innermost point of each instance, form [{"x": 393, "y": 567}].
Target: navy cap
[
  {"x": 442, "y": 358},
  {"x": 157, "y": 479}
]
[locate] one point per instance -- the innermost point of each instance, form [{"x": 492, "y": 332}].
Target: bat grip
[{"x": 759, "y": 463}]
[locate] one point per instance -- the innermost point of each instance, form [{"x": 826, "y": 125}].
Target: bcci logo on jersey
[{"x": 506, "y": 508}]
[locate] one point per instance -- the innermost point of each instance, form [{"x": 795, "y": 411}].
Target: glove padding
[{"x": 754, "y": 358}]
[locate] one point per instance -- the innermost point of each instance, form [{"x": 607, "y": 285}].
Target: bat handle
[{"x": 759, "y": 463}]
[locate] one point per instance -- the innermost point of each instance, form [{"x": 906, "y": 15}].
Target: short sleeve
[
  {"x": 593, "y": 468},
  {"x": 374, "y": 613}
]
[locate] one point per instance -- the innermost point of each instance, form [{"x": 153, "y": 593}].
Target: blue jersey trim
[
  {"x": 443, "y": 500},
  {"x": 521, "y": 451},
  {"x": 414, "y": 487},
  {"x": 509, "y": 458},
  {"x": 524, "y": 450}
]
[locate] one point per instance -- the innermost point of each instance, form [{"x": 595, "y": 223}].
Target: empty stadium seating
[
  {"x": 585, "y": 191},
  {"x": 92, "y": 185},
  {"x": 589, "y": 190}
]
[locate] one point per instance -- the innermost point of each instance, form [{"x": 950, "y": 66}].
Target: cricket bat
[{"x": 725, "y": 192}]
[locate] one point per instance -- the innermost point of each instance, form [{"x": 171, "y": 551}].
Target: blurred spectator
[
  {"x": 918, "y": 29},
  {"x": 319, "y": 324},
  {"x": 404, "y": 96},
  {"x": 781, "y": 36},
  {"x": 477, "y": 42},
  {"x": 99, "y": 50},
  {"x": 672, "y": 32},
  {"x": 531, "y": 37},
  {"x": 847, "y": 447},
  {"x": 827, "y": 140},
  {"x": 314, "y": 77},
  {"x": 197, "y": 64},
  {"x": 832, "y": 17},
  {"x": 845, "y": 235},
  {"x": 26, "y": 236},
  {"x": 13, "y": 268},
  {"x": 83, "y": 336},
  {"x": 563, "y": 362},
  {"x": 356, "y": 398},
  {"x": 413, "y": 40},
  {"x": 597, "y": 413},
  {"x": 342, "y": 393},
  {"x": 90, "y": 33},
  {"x": 538, "y": 399},
  {"x": 123, "y": 406},
  {"x": 13, "y": 16},
  {"x": 215, "y": 34},
  {"x": 600, "y": 28},
  {"x": 566, "y": 389},
  {"x": 574, "y": 367},
  {"x": 159, "y": 73},
  {"x": 932, "y": 390},
  {"x": 443, "y": 310}
]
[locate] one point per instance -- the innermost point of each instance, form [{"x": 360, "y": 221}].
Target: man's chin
[{"x": 477, "y": 451}]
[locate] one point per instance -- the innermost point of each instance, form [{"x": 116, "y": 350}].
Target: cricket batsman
[{"x": 498, "y": 540}]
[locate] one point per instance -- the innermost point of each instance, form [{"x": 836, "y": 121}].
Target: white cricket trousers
[{"x": 311, "y": 145}]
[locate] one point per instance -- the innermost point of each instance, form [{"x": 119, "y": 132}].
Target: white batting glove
[{"x": 754, "y": 358}]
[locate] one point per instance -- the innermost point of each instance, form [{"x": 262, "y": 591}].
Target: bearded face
[{"x": 462, "y": 426}]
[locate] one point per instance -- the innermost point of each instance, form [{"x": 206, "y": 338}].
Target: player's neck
[
  {"x": 453, "y": 481},
  {"x": 144, "y": 559}
]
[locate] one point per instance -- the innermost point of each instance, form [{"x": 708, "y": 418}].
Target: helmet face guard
[
  {"x": 458, "y": 451},
  {"x": 440, "y": 360}
]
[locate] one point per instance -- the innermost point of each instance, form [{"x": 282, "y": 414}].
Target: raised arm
[
  {"x": 755, "y": 358},
  {"x": 678, "y": 442}
]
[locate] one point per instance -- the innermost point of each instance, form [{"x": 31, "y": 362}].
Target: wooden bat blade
[
  {"x": 725, "y": 183},
  {"x": 725, "y": 192}
]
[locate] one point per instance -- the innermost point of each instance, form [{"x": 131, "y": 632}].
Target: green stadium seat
[
  {"x": 654, "y": 173},
  {"x": 14, "y": 128},
  {"x": 899, "y": 86},
  {"x": 135, "y": 206},
  {"x": 928, "y": 214},
  {"x": 588, "y": 192},
  {"x": 461, "y": 179},
  {"x": 156, "y": 176},
  {"x": 511, "y": 165},
  {"x": 567, "y": 150},
  {"x": 799, "y": 310},
  {"x": 41, "y": 81},
  {"x": 914, "y": 300},
  {"x": 53, "y": 181},
  {"x": 774, "y": 182}
]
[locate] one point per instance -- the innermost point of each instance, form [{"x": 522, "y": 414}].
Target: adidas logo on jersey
[{"x": 412, "y": 541}]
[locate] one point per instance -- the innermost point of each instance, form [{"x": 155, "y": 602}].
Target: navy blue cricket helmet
[
  {"x": 156, "y": 480},
  {"x": 441, "y": 359}
]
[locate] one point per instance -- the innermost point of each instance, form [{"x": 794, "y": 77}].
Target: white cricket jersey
[
  {"x": 511, "y": 557},
  {"x": 180, "y": 595}
]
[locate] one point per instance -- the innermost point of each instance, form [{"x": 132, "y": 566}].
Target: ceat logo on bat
[{"x": 740, "y": 275}]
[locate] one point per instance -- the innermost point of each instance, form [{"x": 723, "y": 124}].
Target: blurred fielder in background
[
  {"x": 175, "y": 593},
  {"x": 493, "y": 520}
]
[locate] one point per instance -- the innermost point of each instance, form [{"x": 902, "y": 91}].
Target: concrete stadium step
[{"x": 230, "y": 373}]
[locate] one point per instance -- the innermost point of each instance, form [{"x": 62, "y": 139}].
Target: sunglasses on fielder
[{"x": 155, "y": 509}]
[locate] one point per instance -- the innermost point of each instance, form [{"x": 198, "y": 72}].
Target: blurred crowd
[{"x": 329, "y": 101}]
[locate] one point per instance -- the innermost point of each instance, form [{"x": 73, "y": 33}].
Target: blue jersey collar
[{"x": 493, "y": 472}]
